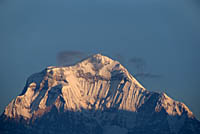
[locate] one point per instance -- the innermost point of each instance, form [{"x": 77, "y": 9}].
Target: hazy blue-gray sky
[{"x": 163, "y": 34}]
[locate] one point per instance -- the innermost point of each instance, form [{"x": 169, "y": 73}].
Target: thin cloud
[
  {"x": 140, "y": 68},
  {"x": 139, "y": 64},
  {"x": 147, "y": 75},
  {"x": 119, "y": 57},
  {"x": 136, "y": 60},
  {"x": 69, "y": 57}
]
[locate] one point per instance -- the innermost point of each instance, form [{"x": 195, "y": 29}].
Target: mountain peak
[
  {"x": 98, "y": 59},
  {"x": 105, "y": 67},
  {"x": 98, "y": 55},
  {"x": 102, "y": 90},
  {"x": 95, "y": 77}
]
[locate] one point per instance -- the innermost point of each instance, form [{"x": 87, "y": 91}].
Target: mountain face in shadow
[{"x": 95, "y": 96}]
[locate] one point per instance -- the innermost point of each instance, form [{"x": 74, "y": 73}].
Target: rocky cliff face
[{"x": 97, "y": 95}]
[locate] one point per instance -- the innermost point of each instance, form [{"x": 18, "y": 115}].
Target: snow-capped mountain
[{"x": 96, "y": 95}]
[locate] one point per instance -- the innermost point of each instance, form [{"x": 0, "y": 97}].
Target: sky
[{"x": 157, "y": 41}]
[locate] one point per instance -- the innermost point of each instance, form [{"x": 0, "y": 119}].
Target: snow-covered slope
[{"x": 96, "y": 92}]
